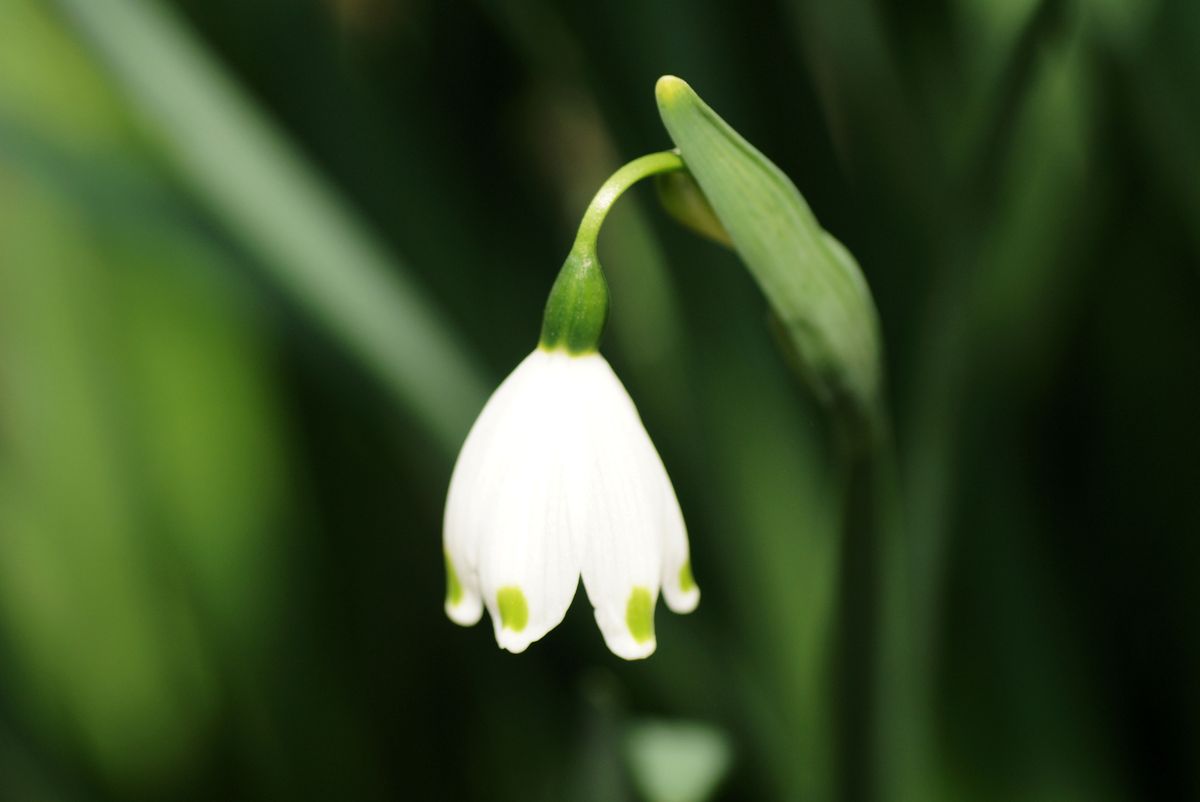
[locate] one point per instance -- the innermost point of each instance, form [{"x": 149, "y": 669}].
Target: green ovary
[
  {"x": 639, "y": 615},
  {"x": 454, "y": 591},
  {"x": 514, "y": 611}
]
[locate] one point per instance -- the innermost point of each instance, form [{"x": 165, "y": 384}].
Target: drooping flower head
[{"x": 558, "y": 480}]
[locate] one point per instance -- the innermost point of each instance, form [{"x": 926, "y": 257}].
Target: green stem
[
  {"x": 577, "y": 309},
  {"x": 883, "y": 736},
  {"x": 652, "y": 164},
  {"x": 857, "y": 650}
]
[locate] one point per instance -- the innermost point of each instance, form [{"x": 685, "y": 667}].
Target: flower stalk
[{"x": 577, "y": 309}]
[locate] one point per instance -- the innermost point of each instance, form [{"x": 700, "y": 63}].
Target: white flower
[{"x": 559, "y": 479}]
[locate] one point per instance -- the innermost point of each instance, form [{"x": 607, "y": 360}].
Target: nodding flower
[{"x": 559, "y": 480}]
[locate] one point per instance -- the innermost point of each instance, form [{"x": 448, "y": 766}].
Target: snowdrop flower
[{"x": 557, "y": 480}]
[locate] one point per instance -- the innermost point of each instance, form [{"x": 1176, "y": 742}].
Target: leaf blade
[
  {"x": 252, "y": 179},
  {"x": 811, "y": 282}
]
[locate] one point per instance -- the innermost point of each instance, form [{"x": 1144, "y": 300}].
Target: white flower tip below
[
  {"x": 681, "y": 592},
  {"x": 466, "y": 612},
  {"x": 512, "y": 642},
  {"x": 630, "y": 636},
  {"x": 511, "y": 620},
  {"x": 463, "y": 607}
]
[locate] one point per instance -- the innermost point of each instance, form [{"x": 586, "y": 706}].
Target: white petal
[
  {"x": 470, "y": 483},
  {"x": 618, "y": 508},
  {"x": 463, "y": 605},
  {"x": 507, "y": 513},
  {"x": 678, "y": 586}
]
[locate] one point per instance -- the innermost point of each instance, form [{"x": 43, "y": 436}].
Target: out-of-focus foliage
[
  {"x": 220, "y": 503},
  {"x": 676, "y": 761}
]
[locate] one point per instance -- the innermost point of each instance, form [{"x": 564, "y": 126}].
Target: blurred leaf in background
[
  {"x": 142, "y": 469},
  {"x": 259, "y": 262},
  {"x": 675, "y": 761}
]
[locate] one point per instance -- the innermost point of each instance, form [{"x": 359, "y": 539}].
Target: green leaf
[
  {"x": 810, "y": 280},
  {"x": 253, "y": 180},
  {"x": 101, "y": 640}
]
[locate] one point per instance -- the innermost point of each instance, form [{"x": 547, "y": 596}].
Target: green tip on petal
[
  {"x": 454, "y": 591},
  {"x": 639, "y": 615},
  {"x": 686, "y": 580},
  {"x": 514, "y": 611}
]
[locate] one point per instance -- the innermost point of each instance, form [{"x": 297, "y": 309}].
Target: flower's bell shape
[{"x": 558, "y": 479}]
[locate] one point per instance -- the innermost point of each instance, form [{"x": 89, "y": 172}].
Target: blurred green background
[{"x": 261, "y": 263}]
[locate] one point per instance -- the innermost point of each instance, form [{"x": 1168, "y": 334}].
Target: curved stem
[
  {"x": 577, "y": 309},
  {"x": 652, "y": 164}
]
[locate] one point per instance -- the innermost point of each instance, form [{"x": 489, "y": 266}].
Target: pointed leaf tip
[{"x": 669, "y": 89}]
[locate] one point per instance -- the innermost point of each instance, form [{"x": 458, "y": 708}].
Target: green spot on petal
[
  {"x": 514, "y": 612},
  {"x": 639, "y": 615},
  {"x": 454, "y": 591},
  {"x": 686, "y": 580}
]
